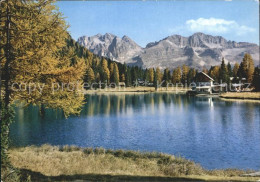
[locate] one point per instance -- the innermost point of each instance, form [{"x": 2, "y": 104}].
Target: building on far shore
[{"x": 203, "y": 84}]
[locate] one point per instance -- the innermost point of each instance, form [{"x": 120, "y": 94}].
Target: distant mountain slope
[
  {"x": 199, "y": 50},
  {"x": 111, "y": 46}
]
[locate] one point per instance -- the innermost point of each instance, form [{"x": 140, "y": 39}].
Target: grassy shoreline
[
  {"x": 241, "y": 95},
  {"x": 139, "y": 89},
  {"x": 51, "y": 163},
  {"x": 246, "y": 96}
]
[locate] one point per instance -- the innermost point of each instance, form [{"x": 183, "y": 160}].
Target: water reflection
[
  {"x": 213, "y": 132},
  {"x": 118, "y": 104}
]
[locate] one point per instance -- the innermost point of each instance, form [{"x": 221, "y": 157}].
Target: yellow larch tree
[{"x": 33, "y": 53}]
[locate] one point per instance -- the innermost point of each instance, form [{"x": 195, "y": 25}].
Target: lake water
[{"x": 213, "y": 132}]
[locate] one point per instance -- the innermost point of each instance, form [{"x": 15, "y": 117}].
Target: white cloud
[{"x": 217, "y": 26}]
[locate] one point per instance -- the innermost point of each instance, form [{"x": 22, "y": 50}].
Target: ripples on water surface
[{"x": 213, "y": 132}]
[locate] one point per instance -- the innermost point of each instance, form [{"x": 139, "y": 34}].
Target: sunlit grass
[
  {"x": 139, "y": 89},
  {"x": 71, "y": 160},
  {"x": 241, "y": 95}
]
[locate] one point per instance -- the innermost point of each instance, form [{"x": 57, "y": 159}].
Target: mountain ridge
[{"x": 198, "y": 50}]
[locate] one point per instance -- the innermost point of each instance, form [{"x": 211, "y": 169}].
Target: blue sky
[{"x": 149, "y": 21}]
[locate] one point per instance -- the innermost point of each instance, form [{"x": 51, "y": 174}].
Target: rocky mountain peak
[
  {"x": 198, "y": 50},
  {"x": 126, "y": 38},
  {"x": 111, "y": 46},
  {"x": 204, "y": 40}
]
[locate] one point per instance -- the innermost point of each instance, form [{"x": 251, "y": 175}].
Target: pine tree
[
  {"x": 97, "y": 77},
  {"x": 235, "y": 70},
  {"x": 122, "y": 78},
  {"x": 111, "y": 70},
  {"x": 151, "y": 75},
  {"x": 246, "y": 68},
  {"x": 158, "y": 74},
  {"x": 214, "y": 73},
  {"x": 229, "y": 72},
  {"x": 155, "y": 79},
  {"x": 105, "y": 73},
  {"x": 229, "y": 69},
  {"x": 256, "y": 79},
  {"x": 134, "y": 76},
  {"x": 95, "y": 64},
  {"x": 146, "y": 75},
  {"x": 176, "y": 76},
  {"x": 116, "y": 74},
  {"x": 128, "y": 80},
  {"x": 90, "y": 76},
  {"x": 166, "y": 76},
  {"x": 124, "y": 68},
  {"x": 123, "y": 72},
  {"x": 223, "y": 72},
  {"x": 191, "y": 75},
  {"x": 185, "y": 71},
  {"x": 251, "y": 69}
]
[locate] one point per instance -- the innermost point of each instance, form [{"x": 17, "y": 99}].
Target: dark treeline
[{"x": 100, "y": 69}]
